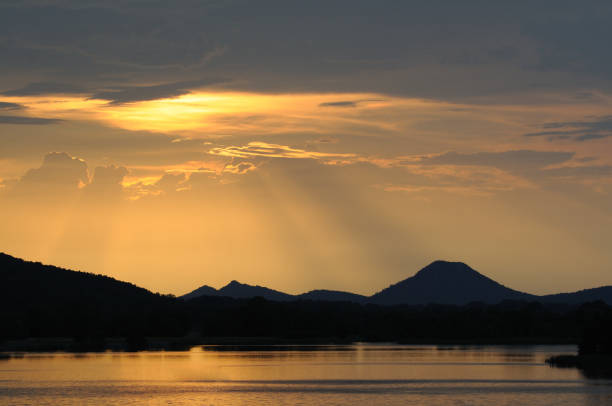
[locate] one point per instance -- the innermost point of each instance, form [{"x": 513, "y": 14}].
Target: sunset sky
[{"x": 304, "y": 145}]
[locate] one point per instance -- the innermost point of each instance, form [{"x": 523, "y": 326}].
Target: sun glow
[
  {"x": 430, "y": 125},
  {"x": 215, "y": 113}
]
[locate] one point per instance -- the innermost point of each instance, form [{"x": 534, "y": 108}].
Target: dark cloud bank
[
  {"x": 440, "y": 49},
  {"x": 593, "y": 129}
]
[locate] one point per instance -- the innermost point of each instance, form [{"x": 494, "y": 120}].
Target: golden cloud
[{"x": 263, "y": 149}]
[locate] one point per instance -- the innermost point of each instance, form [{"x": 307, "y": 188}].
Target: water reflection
[{"x": 353, "y": 375}]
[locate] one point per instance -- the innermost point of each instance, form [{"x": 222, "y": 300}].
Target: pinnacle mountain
[{"x": 445, "y": 282}]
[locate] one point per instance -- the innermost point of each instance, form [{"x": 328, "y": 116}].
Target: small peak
[
  {"x": 445, "y": 266},
  {"x": 235, "y": 284},
  {"x": 441, "y": 262},
  {"x": 444, "y": 262},
  {"x": 205, "y": 287}
]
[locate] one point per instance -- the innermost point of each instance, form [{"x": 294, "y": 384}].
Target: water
[{"x": 353, "y": 375}]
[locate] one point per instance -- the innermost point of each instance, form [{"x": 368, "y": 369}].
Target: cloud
[
  {"x": 62, "y": 177},
  {"x": 141, "y": 149},
  {"x": 10, "y": 106},
  {"x": 41, "y": 88},
  {"x": 324, "y": 140},
  {"x": 263, "y": 149},
  {"x": 461, "y": 179},
  {"x": 594, "y": 129},
  {"x": 487, "y": 173},
  {"x": 204, "y": 181},
  {"x": 22, "y": 120},
  {"x": 347, "y": 103},
  {"x": 588, "y": 137},
  {"x": 581, "y": 172},
  {"x": 239, "y": 168},
  {"x": 145, "y": 93},
  {"x": 59, "y": 173},
  {"x": 108, "y": 175},
  {"x": 448, "y": 189},
  {"x": 358, "y": 176},
  {"x": 479, "y": 173},
  {"x": 516, "y": 161},
  {"x": 170, "y": 182},
  {"x": 395, "y": 50},
  {"x": 106, "y": 183},
  {"x": 339, "y": 104}
]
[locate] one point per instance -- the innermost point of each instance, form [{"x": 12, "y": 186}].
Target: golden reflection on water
[{"x": 358, "y": 374}]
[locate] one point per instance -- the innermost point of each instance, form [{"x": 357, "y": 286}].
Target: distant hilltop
[{"x": 441, "y": 282}]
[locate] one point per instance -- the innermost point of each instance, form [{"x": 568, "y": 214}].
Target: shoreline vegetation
[
  {"x": 594, "y": 358},
  {"x": 592, "y": 365},
  {"x": 96, "y": 313},
  {"x": 122, "y": 344},
  {"x": 167, "y": 323}
]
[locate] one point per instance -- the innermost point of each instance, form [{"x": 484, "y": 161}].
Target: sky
[{"x": 308, "y": 145}]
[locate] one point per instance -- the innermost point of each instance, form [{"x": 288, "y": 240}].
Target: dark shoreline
[
  {"x": 595, "y": 366},
  {"x": 119, "y": 344},
  {"x": 50, "y": 309}
]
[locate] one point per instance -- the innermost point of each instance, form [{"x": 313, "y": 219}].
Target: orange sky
[{"x": 212, "y": 148}]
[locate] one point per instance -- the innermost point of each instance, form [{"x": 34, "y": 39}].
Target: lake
[{"x": 360, "y": 374}]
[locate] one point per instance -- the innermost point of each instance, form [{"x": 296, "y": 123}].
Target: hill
[
  {"x": 441, "y": 282},
  {"x": 23, "y": 282},
  {"x": 238, "y": 290},
  {"x": 603, "y": 293},
  {"x": 204, "y": 290},
  {"x": 46, "y": 301},
  {"x": 445, "y": 282},
  {"x": 332, "y": 296}
]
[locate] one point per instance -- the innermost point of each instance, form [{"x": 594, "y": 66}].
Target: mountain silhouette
[
  {"x": 46, "y": 308},
  {"x": 441, "y": 282},
  {"x": 239, "y": 290},
  {"x": 603, "y": 293},
  {"x": 25, "y": 281},
  {"x": 445, "y": 282},
  {"x": 204, "y": 290},
  {"x": 332, "y": 296}
]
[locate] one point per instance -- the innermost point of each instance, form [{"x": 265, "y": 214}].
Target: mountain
[
  {"x": 603, "y": 293},
  {"x": 204, "y": 290},
  {"x": 440, "y": 282},
  {"x": 332, "y": 296},
  {"x": 24, "y": 282},
  {"x": 239, "y": 290},
  {"x": 39, "y": 300},
  {"x": 445, "y": 282},
  {"x": 46, "y": 308}
]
